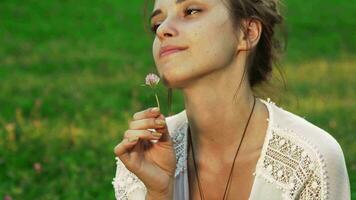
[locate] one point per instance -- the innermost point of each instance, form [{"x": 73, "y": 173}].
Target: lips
[{"x": 166, "y": 50}]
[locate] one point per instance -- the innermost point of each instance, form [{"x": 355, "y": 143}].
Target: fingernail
[
  {"x": 134, "y": 139},
  {"x": 156, "y": 134},
  {"x": 160, "y": 122},
  {"x": 155, "y": 109}
]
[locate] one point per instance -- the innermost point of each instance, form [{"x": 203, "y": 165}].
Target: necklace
[{"x": 233, "y": 164}]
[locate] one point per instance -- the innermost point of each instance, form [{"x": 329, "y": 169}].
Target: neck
[{"x": 216, "y": 116}]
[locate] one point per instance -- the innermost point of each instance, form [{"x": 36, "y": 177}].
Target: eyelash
[{"x": 155, "y": 26}]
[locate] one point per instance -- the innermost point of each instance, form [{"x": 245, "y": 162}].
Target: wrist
[{"x": 166, "y": 194}]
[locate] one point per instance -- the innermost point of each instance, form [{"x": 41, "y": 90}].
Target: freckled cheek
[
  {"x": 205, "y": 42},
  {"x": 200, "y": 39}
]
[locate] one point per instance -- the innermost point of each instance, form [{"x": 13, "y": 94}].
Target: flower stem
[{"x": 157, "y": 100}]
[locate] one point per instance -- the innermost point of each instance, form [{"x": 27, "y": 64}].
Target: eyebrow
[{"x": 159, "y": 11}]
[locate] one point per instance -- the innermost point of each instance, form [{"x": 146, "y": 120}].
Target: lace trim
[
  {"x": 125, "y": 182},
  {"x": 293, "y": 163},
  {"x": 180, "y": 146},
  {"x": 313, "y": 188}
]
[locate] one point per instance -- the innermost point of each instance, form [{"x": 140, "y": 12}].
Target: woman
[{"x": 226, "y": 144}]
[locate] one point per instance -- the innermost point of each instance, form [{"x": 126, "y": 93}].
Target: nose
[{"x": 167, "y": 29}]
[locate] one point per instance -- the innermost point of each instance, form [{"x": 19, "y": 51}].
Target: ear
[{"x": 249, "y": 39}]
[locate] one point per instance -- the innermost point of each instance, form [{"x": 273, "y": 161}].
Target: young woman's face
[{"x": 204, "y": 30}]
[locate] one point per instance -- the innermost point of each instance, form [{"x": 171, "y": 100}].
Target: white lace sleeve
[
  {"x": 334, "y": 183},
  {"x": 127, "y": 185}
]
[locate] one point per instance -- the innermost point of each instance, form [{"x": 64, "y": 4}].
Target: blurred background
[{"x": 70, "y": 76}]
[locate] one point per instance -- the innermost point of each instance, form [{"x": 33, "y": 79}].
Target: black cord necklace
[{"x": 233, "y": 164}]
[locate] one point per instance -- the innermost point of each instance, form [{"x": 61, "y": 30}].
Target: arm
[
  {"x": 330, "y": 179},
  {"x": 337, "y": 176}
]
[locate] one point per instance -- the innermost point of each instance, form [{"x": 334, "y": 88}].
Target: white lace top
[{"x": 298, "y": 161}]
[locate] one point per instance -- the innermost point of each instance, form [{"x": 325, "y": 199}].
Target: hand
[{"x": 153, "y": 163}]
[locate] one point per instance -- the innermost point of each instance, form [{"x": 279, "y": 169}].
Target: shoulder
[
  {"x": 300, "y": 155},
  {"x": 305, "y": 132}
]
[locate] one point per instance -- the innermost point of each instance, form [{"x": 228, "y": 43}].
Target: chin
[
  {"x": 172, "y": 79},
  {"x": 180, "y": 77}
]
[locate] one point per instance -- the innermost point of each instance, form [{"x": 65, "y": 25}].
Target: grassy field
[{"x": 70, "y": 75}]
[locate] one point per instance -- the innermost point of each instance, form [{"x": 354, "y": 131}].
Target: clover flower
[{"x": 152, "y": 81}]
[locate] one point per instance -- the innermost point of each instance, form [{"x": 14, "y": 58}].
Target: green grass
[{"x": 69, "y": 79}]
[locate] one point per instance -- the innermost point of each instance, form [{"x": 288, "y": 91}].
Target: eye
[
  {"x": 187, "y": 11},
  {"x": 154, "y": 27}
]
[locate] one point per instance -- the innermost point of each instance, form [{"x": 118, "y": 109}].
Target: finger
[
  {"x": 143, "y": 134},
  {"x": 150, "y": 112},
  {"x": 147, "y": 123},
  {"x": 164, "y": 130},
  {"x": 121, "y": 150}
]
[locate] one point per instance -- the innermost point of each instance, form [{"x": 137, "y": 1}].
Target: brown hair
[{"x": 268, "y": 49}]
